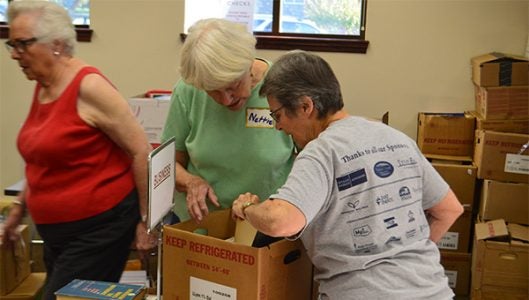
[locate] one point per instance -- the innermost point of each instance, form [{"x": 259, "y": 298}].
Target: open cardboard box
[
  {"x": 500, "y": 257},
  {"x": 200, "y": 262}
]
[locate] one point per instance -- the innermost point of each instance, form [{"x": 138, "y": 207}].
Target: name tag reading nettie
[{"x": 259, "y": 118}]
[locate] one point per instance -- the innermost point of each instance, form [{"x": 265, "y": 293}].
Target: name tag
[{"x": 259, "y": 118}]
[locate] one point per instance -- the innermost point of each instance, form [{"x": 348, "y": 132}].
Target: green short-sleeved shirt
[{"x": 234, "y": 151}]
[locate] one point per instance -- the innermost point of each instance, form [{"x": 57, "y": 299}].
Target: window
[
  {"x": 79, "y": 10},
  {"x": 317, "y": 25}
]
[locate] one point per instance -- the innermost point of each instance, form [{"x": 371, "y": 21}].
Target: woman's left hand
[
  {"x": 144, "y": 242},
  {"x": 238, "y": 205}
]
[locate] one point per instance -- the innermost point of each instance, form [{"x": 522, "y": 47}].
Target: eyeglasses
[
  {"x": 20, "y": 45},
  {"x": 273, "y": 113}
]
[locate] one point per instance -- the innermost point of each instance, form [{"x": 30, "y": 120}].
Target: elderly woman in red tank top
[{"x": 85, "y": 155}]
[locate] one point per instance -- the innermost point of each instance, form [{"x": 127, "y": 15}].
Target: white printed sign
[
  {"x": 452, "y": 278},
  {"x": 161, "y": 182},
  {"x": 239, "y": 11},
  {"x": 449, "y": 241},
  {"x": 515, "y": 163},
  {"x": 206, "y": 290}
]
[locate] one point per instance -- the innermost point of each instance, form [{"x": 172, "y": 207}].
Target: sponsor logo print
[
  {"x": 384, "y": 199},
  {"x": 365, "y": 248},
  {"x": 362, "y": 231},
  {"x": 406, "y": 162},
  {"x": 355, "y": 205},
  {"x": 404, "y": 193},
  {"x": 411, "y": 216},
  {"x": 390, "y": 222},
  {"x": 383, "y": 169},
  {"x": 352, "y": 179},
  {"x": 411, "y": 233},
  {"x": 393, "y": 239}
]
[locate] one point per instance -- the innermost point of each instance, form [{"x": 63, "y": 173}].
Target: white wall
[{"x": 418, "y": 58}]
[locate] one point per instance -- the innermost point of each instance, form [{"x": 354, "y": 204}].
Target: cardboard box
[
  {"x": 457, "y": 269},
  {"x": 504, "y": 200},
  {"x": 496, "y": 154},
  {"x": 14, "y": 262},
  {"x": 206, "y": 265},
  {"x": 498, "y": 293},
  {"x": 500, "y": 257},
  {"x": 499, "y": 69},
  {"x": 457, "y": 238},
  {"x": 29, "y": 289},
  {"x": 462, "y": 180},
  {"x": 503, "y": 125},
  {"x": 502, "y": 102},
  {"x": 445, "y": 134},
  {"x": 151, "y": 113}
]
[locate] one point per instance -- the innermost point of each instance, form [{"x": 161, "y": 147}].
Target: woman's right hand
[
  {"x": 10, "y": 231},
  {"x": 198, "y": 190}
]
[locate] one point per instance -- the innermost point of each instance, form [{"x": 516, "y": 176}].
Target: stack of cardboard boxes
[
  {"x": 447, "y": 139},
  {"x": 500, "y": 266},
  {"x": 480, "y": 154}
]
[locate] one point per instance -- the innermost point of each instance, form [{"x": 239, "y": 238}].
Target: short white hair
[
  {"x": 216, "y": 52},
  {"x": 53, "y": 23}
]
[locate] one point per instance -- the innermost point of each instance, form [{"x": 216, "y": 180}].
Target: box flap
[
  {"x": 519, "y": 232},
  {"x": 491, "y": 229},
  {"x": 496, "y": 56},
  {"x": 449, "y": 158},
  {"x": 244, "y": 233}
]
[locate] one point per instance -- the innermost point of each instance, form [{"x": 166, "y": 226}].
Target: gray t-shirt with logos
[{"x": 363, "y": 187}]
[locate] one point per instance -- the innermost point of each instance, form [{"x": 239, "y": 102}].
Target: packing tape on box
[{"x": 505, "y": 74}]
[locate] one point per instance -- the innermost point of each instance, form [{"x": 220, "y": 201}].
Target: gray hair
[
  {"x": 216, "y": 52},
  {"x": 53, "y": 23},
  {"x": 299, "y": 73}
]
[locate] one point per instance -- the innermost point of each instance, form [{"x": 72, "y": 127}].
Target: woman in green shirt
[{"x": 225, "y": 138}]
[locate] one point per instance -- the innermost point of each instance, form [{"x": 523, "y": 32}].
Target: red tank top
[{"x": 73, "y": 171}]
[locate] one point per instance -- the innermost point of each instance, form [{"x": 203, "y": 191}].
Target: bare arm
[
  {"x": 196, "y": 188},
  {"x": 443, "y": 215},
  {"x": 101, "y": 106},
  {"x": 274, "y": 217}
]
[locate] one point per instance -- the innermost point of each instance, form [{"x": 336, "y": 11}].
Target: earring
[{"x": 56, "y": 53}]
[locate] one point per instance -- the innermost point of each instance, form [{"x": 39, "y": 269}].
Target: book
[
  {"x": 90, "y": 289},
  {"x": 136, "y": 277}
]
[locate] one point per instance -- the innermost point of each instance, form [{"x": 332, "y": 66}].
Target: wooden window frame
[
  {"x": 310, "y": 42},
  {"x": 84, "y": 33}
]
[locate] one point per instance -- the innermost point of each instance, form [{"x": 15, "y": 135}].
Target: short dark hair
[{"x": 299, "y": 73}]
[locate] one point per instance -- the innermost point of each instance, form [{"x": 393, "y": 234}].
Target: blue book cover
[{"x": 89, "y": 289}]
